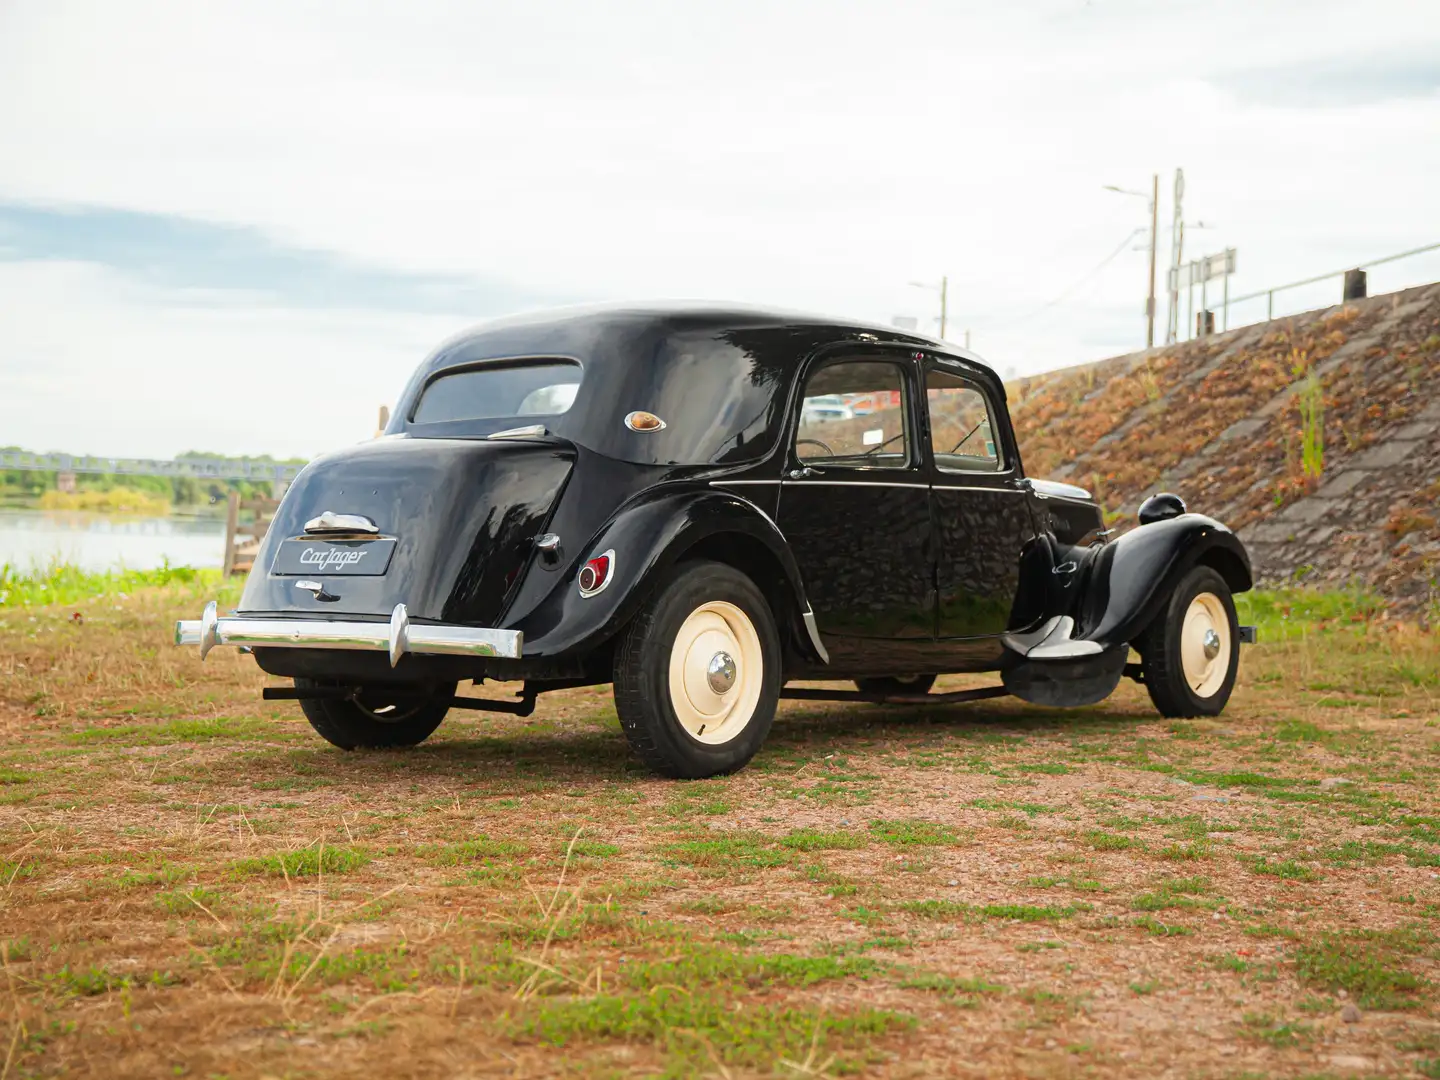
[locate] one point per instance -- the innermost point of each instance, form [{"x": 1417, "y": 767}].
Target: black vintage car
[{"x": 701, "y": 506}]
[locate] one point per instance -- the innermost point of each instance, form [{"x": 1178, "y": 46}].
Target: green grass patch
[
  {"x": 1288, "y": 869},
  {"x": 1303, "y": 731},
  {"x": 1194, "y": 851},
  {"x": 1108, "y": 841},
  {"x": 1030, "y": 809},
  {"x": 1283, "y": 614},
  {"x": 61, "y": 583},
  {"x": 949, "y": 987},
  {"x": 1176, "y": 893},
  {"x": 1371, "y": 976},
  {"x": 824, "y": 840},
  {"x": 912, "y": 831},
  {"x": 689, "y": 1028},
  {"x": 707, "y": 967},
  {"x": 1152, "y": 925},
  {"x": 477, "y": 849},
  {"x": 203, "y": 729},
  {"x": 1278, "y": 1033},
  {"x": 948, "y": 909},
  {"x": 307, "y": 862},
  {"x": 728, "y": 851}
]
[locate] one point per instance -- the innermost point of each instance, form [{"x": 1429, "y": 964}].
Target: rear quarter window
[{"x": 499, "y": 391}]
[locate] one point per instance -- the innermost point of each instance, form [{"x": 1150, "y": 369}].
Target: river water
[{"x": 107, "y": 541}]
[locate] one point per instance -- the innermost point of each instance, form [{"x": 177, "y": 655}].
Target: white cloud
[
  {"x": 95, "y": 364},
  {"x": 815, "y": 155}
]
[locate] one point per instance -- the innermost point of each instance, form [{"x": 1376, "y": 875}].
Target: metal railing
[{"x": 1269, "y": 294}]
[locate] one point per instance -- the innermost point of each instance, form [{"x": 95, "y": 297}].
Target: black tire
[
  {"x": 896, "y": 684},
  {"x": 404, "y": 716},
  {"x": 643, "y": 657},
  {"x": 1160, "y": 648}
]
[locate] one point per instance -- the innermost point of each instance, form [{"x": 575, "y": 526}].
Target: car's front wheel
[
  {"x": 697, "y": 672},
  {"x": 377, "y": 716},
  {"x": 1191, "y": 651}
]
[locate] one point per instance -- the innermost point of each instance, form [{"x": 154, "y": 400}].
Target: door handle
[{"x": 802, "y": 472}]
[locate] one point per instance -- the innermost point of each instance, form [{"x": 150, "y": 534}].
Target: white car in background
[{"x": 824, "y": 409}]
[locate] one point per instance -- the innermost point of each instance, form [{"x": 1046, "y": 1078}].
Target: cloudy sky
[{"x": 238, "y": 226}]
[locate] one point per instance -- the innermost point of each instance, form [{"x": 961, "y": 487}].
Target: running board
[
  {"x": 955, "y": 697},
  {"x": 1052, "y": 641}
]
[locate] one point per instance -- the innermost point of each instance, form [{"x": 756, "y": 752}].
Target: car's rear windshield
[{"x": 499, "y": 390}]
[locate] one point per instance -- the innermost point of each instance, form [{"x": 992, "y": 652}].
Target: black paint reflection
[{"x": 864, "y": 555}]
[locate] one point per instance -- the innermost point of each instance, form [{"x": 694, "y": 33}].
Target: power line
[{"x": 1071, "y": 289}]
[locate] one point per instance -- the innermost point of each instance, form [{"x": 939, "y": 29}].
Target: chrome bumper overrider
[{"x": 397, "y": 637}]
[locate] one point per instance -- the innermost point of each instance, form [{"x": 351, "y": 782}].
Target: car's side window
[
  {"x": 960, "y": 432},
  {"x": 853, "y": 415}
]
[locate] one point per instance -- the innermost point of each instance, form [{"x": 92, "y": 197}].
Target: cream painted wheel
[
  {"x": 717, "y": 670},
  {"x": 1205, "y": 645},
  {"x": 698, "y": 671},
  {"x": 1191, "y": 650}
]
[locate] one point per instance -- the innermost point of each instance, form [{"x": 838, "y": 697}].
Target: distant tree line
[{"x": 25, "y": 484}]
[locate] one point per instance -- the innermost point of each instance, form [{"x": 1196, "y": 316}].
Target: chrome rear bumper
[{"x": 397, "y": 637}]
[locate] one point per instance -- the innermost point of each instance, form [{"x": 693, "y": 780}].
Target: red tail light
[{"x": 596, "y": 573}]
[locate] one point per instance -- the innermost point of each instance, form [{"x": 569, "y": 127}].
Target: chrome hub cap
[
  {"x": 716, "y": 672},
  {"x": 1212, "y": 644},
  {"x": 1205, "y": 645},
  {"x": 720, "y": 672}
]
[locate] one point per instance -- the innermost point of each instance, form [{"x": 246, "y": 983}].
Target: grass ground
[{"x": 193, "y": 884}]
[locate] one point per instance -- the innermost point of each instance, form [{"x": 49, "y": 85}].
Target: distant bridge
[{"x": 196, "y": 468}]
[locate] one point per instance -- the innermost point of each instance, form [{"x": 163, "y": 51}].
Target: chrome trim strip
[
  {"x": 397, "y": 637},
  {"x": 859, "y": 483},
  {"x": 329, "y": 521},
  {"x": 877, "y": 483},
  {"x": 814, "y": 632},
  {"x": 1002, "y": 489},
  {"x": 529, "y": 431}
]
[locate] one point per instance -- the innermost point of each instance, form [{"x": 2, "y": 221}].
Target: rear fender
[
  {"x": 1132, "y": 577},
  {"x": 648, "y": 536}
]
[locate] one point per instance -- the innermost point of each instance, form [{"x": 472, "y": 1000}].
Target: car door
[
  {"x": 982, "y": 513},
  {"x": 854, "y": 502}
]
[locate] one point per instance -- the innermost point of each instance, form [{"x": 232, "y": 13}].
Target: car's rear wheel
[
  {"x": 377, "y": 716},
  {"x": 896, "y": 684},
  {"x": 1192, "y": 649},
  {"x": 697, "y": 673}
]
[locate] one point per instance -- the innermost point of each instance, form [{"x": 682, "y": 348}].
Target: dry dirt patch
[{"x": 192, "y": 883}]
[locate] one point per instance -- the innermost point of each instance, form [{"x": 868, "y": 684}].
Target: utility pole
[
  {"x": 1154, "y": 222},
  {"x": 944, "y": 288},
  {"x": 1154, "y": 199},
  {"x": 1177, "y": 247}
]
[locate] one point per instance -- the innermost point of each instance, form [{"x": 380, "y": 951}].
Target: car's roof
[{"x": 549, "y": 330}]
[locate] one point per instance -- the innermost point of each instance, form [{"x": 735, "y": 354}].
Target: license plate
[{"x": 355, "y": 558}]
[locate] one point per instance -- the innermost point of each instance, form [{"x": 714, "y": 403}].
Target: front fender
[
  {"x": 1132, "y": 577},
  {"x": 648, "y": 535}
]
